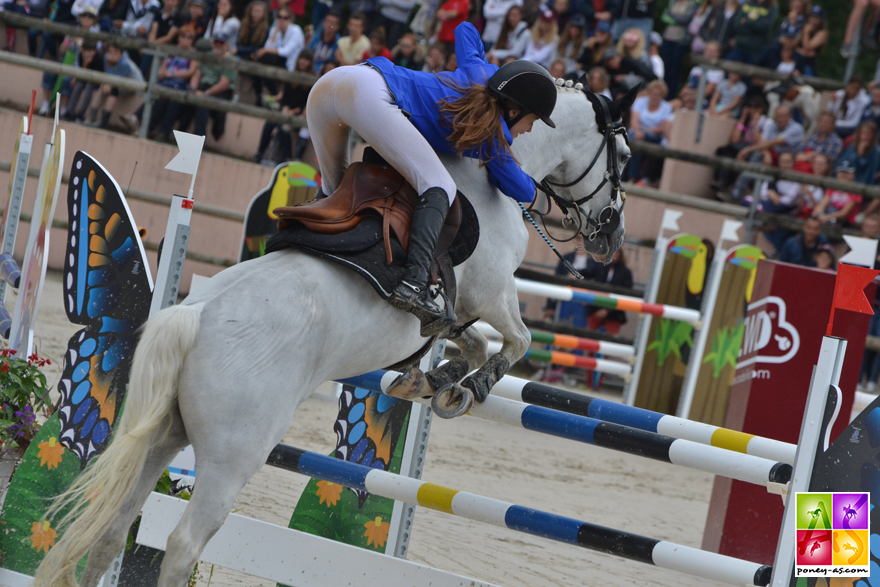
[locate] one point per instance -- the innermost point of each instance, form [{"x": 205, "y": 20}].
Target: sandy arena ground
[{"x": 567, "y": 478}]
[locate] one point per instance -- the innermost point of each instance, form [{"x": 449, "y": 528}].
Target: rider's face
[{"x": 523, "y": 125}]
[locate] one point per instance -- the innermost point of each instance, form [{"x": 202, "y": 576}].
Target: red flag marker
[{"x": 849, "y": 291}]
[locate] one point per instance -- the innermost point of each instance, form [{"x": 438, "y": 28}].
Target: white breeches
[{"x": 356, "y": 97}]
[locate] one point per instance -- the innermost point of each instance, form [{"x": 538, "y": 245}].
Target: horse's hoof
[
  {"x": 409, "y": 385},
  {"x": 478, "y": 386},
  {"x": 452, "y": 402}
]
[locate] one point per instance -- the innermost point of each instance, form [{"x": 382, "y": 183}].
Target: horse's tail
[{"x": 98, "y": 494}]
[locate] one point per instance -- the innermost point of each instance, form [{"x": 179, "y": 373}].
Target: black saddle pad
[{"x": 362, "y": 250}]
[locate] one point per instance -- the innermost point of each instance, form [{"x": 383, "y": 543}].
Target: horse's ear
[
  {"x": 584, "y": 81},
  {"x": 622, "y": 105}
]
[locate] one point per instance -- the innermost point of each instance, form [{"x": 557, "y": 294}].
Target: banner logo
[{"x": 767, "y": 336}]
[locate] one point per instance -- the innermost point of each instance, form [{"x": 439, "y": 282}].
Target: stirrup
[{"x": 440, "y": 325}]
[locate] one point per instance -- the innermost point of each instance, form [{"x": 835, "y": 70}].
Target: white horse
[{"x": 226, "y": 369}]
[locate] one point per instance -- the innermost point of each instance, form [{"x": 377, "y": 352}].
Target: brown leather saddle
[{"x": 369, "y": 189}]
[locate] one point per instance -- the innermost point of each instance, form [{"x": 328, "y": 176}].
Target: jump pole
[
  {"x": 651, "y": 551},
  {"x": 618, "y": 368},
  {"x": 611, "y": 349},
  {"x": 710, "y": 459},
  {"x": 539, "y": 394}
]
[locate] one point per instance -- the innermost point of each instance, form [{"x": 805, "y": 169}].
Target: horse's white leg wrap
[{"x": 357, "y": 97}]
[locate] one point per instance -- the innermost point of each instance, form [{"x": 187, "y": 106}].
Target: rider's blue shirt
[{"x": 417, "y": 94}]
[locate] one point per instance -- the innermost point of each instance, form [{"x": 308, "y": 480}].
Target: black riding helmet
[{"x": 529, "y": 86}]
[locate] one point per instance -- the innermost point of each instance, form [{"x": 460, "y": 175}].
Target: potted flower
[{"x": 23, "y": 394}]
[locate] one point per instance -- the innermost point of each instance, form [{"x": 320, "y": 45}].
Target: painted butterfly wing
[
  {"x": 107, "y": 289},
  {"x": 368, "y": 428}
]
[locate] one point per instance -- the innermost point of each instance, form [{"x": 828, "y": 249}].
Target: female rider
[{"x": 406, "y": 116}]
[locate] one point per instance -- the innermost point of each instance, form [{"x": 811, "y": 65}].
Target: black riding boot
[{"x": 412, "y": 294}]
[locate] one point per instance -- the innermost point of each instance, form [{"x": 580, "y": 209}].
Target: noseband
[{"x": 608, "y": 219}]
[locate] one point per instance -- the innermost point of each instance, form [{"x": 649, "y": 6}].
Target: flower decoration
[
  {"x": 43, "y": 536},
  {"x": 377, "y": 532},
  {"x": 329, "y": 492},
  {"x": 50, "y": 453}
]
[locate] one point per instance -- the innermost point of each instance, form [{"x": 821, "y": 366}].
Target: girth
[{"x": 369, "y": 189}]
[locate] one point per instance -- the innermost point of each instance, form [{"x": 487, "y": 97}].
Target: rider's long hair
[{"x": 475, "y": 121}]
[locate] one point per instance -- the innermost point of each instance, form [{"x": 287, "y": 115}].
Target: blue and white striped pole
[
  {"x": 710, "y": 459},
  {"x": 660, "y": 553}
]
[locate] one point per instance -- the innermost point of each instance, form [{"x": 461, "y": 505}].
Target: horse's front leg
[{"x": 504, "y": 318}]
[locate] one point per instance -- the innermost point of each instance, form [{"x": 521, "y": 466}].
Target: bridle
[{"x": 608, "y": 219}]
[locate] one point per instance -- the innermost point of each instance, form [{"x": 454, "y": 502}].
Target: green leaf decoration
[{"x": 669, "y": 337}]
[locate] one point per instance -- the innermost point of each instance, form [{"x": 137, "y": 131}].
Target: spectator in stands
[
  {"x": 822, "y": 141},
  {"x": 848, "y": 49},
  {"x": 698, "y": 45},
  {"x": 782, "y": 55},
  {"x": 451, "y": 63},
  {"x": 779, "y": 196},
  {"x": 572, "y": 313},
  {"x": 824, "y": 258},
  {"x": 350, "y": 49},
  {"x": 408, "y": 53},
  {"x": 600, "y": 42},
  {"x": 175, "y": 73},
  {"x": 451, "y": 14},
  {"x": 512, "y": 38},
  {"x": 676, "y": 40},
  {"x": 571, "y": 45},
  {"x": 80, "y": 5},
  {"x": 615, "y": 273},
  {"x": 714, "y": 76},
  {"x": 597, "y": 80},
  {"x": 138, "y": 19},
  {"x": 116, "y": 62},
  {"x": 864, "y": 156},
  {"x": 747, "y": 132},
  {"x": 751, "y": 29},
  {"x": 293, "y": 103},
  {"x": 848, "y": 106},
  {"x": 225, "y": 21},
  {"x": 285, "y": 41},
  {"x": 254, "y": 30},
  {"x": 494, "y": 13},
  {"x": 563, "y": 11},
  {"x": 650, "y": 120},
  {"x": 557, "y": 69},
  {"x": 435, "y": 62},
  {"x": 377, "y": 46},
  {"x": 625, "y": 72},
  {"x": 542, "y": 42},
  {"x": 214, "y": 81},
  {"x": 81, "y": 93},
  {"x": 778, "y": 135},
  {"x": 796, "y": 17},
  {"x": 633, "y": 45},
  {"x": 728, "y": 96},
  {"x": 657, "y": 65},
  {"x": 325, "y": 42},
  {"x": 718, "y": 25},
  {"x": 871, "y": 360},
  {"x": 813, "y": 38},
  {"x": 627, "y": 14},
  {"x": 801, "y": 248},
  {"x": 839, "y": 207},
  {"x": 194, "y": 16},
  {"x": 811, "y": 195},
  {"x": 111, "y": 11},
  {"x": 393, "y": 15},
  {"x": 163, "y": 30},
  {"x": 872, "y": 110},
  {"x": 368, "y": 9}
]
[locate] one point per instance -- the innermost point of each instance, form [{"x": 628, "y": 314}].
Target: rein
[{"x": 608, "y": 219}]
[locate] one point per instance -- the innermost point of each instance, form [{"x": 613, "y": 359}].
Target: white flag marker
[
  {"x": 863, "y": 251},
  {"x": 187, "y": 161},
  {"x": 670, "y": 220},
  {"x": 729, "y": 231}
]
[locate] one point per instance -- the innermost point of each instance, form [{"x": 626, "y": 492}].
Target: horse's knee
[{"x": 519, "y": 343}]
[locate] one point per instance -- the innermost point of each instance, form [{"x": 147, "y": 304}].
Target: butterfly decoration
[
  {"x": 107, "y": 289},
  {"x": 368, "y": 427}
]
